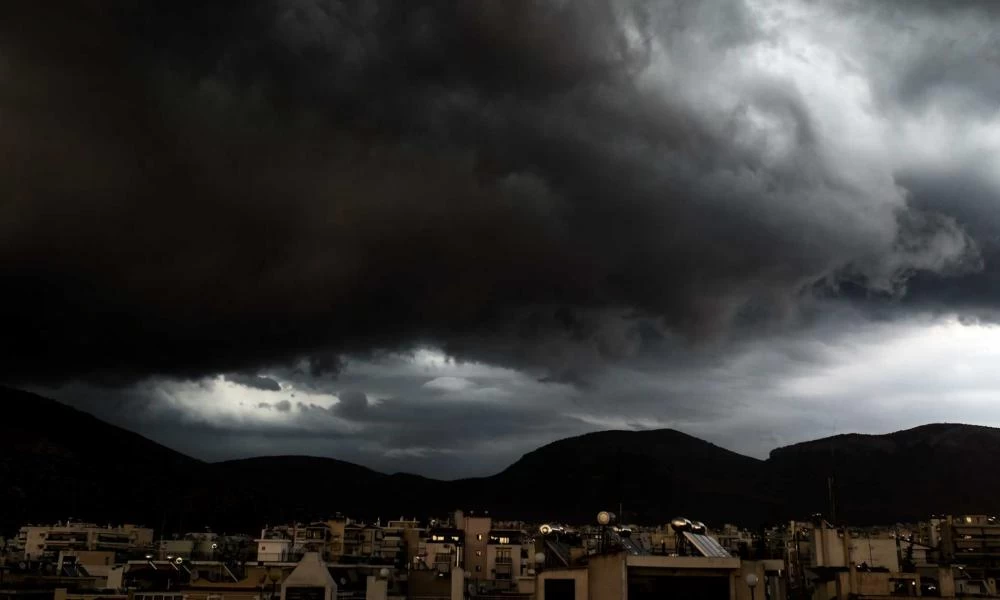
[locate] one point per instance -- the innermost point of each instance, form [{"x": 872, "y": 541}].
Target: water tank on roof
[{"x": 680, "y": 524}]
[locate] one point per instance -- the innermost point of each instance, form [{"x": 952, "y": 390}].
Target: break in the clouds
[
  {"x": 764, "y": 394},
  {"x": 602, "y": 209}
]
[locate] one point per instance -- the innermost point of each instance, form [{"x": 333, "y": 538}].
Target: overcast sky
[{"x": 431, "y": 236}]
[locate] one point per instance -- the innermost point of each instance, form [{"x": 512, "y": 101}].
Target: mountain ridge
[{"x": 64, "y": 459}]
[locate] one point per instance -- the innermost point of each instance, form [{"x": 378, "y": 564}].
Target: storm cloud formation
[{"x": 189, "y": 190}]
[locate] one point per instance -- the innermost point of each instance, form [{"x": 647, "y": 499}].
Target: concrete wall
[
  {"x": 376, "y": 589},
  {"x": 946, "y": 581},
  {"x": 430, "y": 584},
  {"x": 873, "y": 584},
  {"x": 525, "y": 585},
  {"x": 579, "y": 577},
  {"x": 91, "y": 557},
  {"x": 607, "y": 577},
  {"x": 828, "y": 550},
  {"x": 457, "y": 584}
]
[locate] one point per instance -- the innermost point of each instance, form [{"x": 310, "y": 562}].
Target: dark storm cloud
[
  {"x": 213, "y": 188},
  {"x": 353, "y": 405}
]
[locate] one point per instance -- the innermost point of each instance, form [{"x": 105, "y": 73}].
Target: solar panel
[
  {"x": 707, "y": 546},
  {"x": 630, "y": 546}
]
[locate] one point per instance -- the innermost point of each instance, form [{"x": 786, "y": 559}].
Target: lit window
[
  {"x": 479, "y": 552},
  {"x": 479, "y": 537}
]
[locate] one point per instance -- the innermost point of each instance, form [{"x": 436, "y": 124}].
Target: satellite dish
[
  {"x": 539, "y": 557},
  {"x": 545, "y": 529},
  {"x": 383, "y": 573},
  {"x": 22, "y": 565},
  {"x": 605, "y": 518},
  {"x": 471, "y": 589}
]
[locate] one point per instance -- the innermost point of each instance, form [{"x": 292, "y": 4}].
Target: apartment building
[
  {"x": 508, "y": 556},
  {"x": 444, "y": 549},
  {"x": 972, "y": 541},
  {"x": 200, "y": 544},
  {"x": 275, "y": 544},
  {"x": 361, "y": 540},
  {"x": 398, "y": 539},
  {"x": 476, "y": 531},
  {"x": 46, "y": 541}
]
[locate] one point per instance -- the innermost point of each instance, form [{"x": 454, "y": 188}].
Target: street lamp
[
  {"x": 752, "y": 581},
  {"x": 274, "y": 576}
]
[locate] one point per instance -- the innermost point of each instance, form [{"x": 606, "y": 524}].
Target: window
[
  {"x": 503, "y": 556},
  {"x": 479, "y": 552},
  {"x": 478, "y": 568},
  {"x": 504, "y": 539},
  {"x": 479, "y": 537}
]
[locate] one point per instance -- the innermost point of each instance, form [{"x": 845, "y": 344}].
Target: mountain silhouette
[{"x": 58, "y": 462}]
